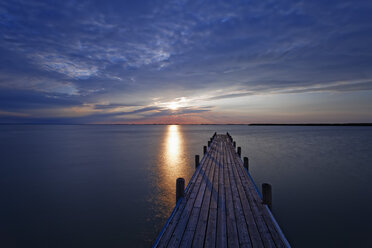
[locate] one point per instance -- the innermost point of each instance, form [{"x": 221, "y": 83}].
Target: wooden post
[
  {"x": 239, "y": 151},
  {"x": 246, "y": 163},
  {"x": 204, "y": 149},
  {"x": 234, "y": 144},
  {"x": 196, "y": 161},
  {"x": 267, "y": 195},
  {"x": 209, "y": 143},
  {"x": 180, "y": 188}
]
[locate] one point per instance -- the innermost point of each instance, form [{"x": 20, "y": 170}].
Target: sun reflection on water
[
  {"x": 171, "y": 164},
  {"x": 173, "y": 147}
]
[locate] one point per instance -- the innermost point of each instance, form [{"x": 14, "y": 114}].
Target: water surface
[{"x": 114, "y": 186}]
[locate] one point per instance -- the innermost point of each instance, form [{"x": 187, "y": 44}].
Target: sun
[{"x": 173, "y": 106}]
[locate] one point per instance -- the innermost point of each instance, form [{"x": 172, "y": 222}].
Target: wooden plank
[
  {"x": 247, "y": 209},
  {"x": 210, "y": 239},
  {"x": 256, "y": 206},
  {"x": 203, "y": 217},
  {"x": 232, "y": 232},
  {"x": 244, "y": 239},
  {"x": 221, "y": 239},
  {"x": 266, "y": 217},
  {"x": 190, "y": 225}
]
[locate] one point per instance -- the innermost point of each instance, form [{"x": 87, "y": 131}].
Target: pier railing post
[
  {"x": 246, "y": 163},
  {"x": 267, "y": 195},
  {"x": 196, "y": 161},
  {"x": 230, "y": 138},
  {"x": 180, "y": 188},
  {"x": 239, "y": 151},
  {"x": 204, "y": 149}
]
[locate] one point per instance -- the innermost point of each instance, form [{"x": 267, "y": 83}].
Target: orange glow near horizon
[{"x": 175, "y": 120}]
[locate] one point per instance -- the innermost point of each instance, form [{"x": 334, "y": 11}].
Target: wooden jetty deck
[{"x": 221, "y": 206}]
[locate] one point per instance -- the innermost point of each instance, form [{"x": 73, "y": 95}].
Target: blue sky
[{"x": 185, "y": 61}]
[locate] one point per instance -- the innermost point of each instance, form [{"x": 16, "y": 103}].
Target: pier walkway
[{"x": 221, "y": 206}]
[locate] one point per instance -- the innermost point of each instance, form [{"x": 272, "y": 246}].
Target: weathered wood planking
[{"x": 221, "y": 207}]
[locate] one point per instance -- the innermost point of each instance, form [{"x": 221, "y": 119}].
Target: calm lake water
[{"x": 114, "y": 186}]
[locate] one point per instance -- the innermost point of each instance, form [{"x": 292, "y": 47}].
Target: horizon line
[{"x": 204, "y": 124}]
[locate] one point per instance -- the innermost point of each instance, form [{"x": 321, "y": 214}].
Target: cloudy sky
[{"x": 185, "y": 61}]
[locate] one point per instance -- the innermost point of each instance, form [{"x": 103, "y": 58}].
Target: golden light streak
[{"x": 171, "y": 164}]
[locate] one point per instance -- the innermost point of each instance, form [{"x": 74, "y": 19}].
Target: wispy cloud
[{"x": 118, "y": 56}]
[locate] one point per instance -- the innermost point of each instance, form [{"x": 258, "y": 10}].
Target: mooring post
[
  {"x": 229, "y": 136},
  {"x": 180, "y": 188},
  {"x": 267, "y": 195},
  {"x": 239, "y": 151},
  {"x": 234, "y": 144},
  {"x": 196, "y": 161},
  {"x": 204, "y": 149},
  {"x": 246, "y": 163},
  {"x": 209, "y": 143}
]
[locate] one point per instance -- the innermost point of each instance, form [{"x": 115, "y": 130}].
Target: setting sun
[{"x": 173, "y": 106}]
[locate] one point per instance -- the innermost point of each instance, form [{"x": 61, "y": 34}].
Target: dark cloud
[
  {"x": 113, "y": 105},
  {"x": 225, "y": 96},
  {"x": 13, "y": 100}
]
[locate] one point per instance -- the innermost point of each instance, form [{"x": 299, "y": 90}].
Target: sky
[{"x": 190, "y": 62}]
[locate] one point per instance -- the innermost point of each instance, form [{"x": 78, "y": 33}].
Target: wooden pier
[{"x": 221, "y": 206}]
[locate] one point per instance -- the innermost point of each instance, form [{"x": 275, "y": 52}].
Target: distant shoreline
[
  {"x": 312, "y": 124},
  {"x": 250, "y": 124}
]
